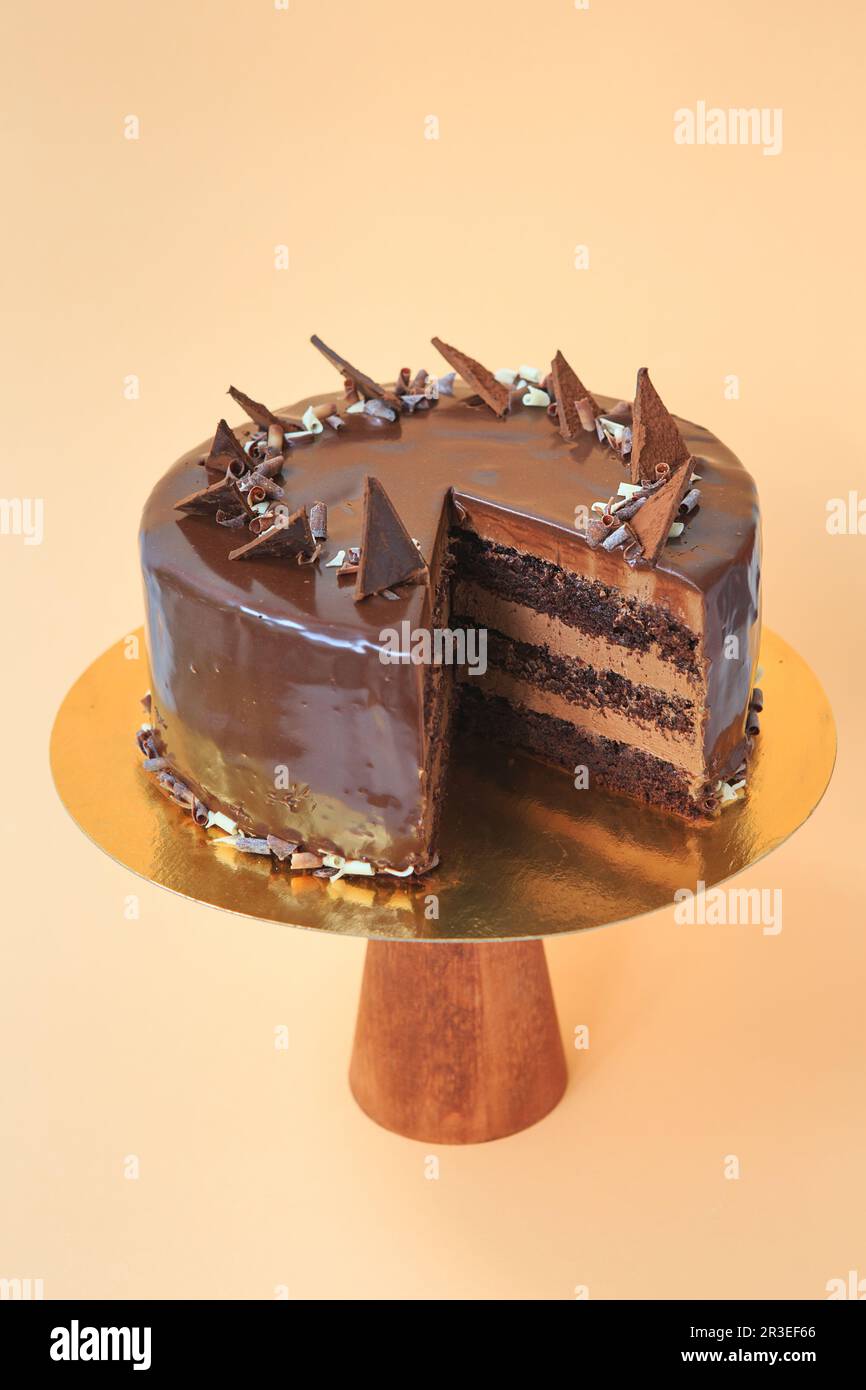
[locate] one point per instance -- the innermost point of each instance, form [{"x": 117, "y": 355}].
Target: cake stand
[{"x": 457, "y": 1039}]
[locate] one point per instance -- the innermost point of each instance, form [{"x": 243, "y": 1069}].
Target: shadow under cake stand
[{"x": 457, "y": 1039}]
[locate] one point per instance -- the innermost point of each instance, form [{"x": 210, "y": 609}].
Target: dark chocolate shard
[
  {"x": 226, "y": 454},
  {"x": 260, "y": 414},
  {"x": 650, "y": 525},
  {"x": 481, "y": 381},
  {"x": 389, "y": 555},
  {"x": 655, "y": 436},
  {"x": 368, "y": 386},
  {"x": 569, "y": 391},
  {"x": 288, "y": 536},
  {"x": 222, "y": 496}
]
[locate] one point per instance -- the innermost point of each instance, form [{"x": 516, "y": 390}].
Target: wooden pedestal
[{"x": 456, "y": 1043}]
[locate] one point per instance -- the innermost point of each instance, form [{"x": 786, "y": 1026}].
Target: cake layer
[
  {"x": 597, "y": 721},
  {"x": 616, "y": 766},
  {"x": 488, "y": 609},
  {"x": 589, "y": 606},
  {"x": 583, "y": 685}
]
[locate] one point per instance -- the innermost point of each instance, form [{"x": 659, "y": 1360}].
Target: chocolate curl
[
  {"x": 650, "y": 526},
  {"x": 478, "y": 378},
  {"x": 276, "y": 441},
  {"x": 757, "y": 701},
  {"x": 367, "y": 385},
  {"x": 269, "y": 467},
  {"x": 404, "y": 378},
  {"x": 258, "y": 486},
  {"x": 753, "y": 724},
  {"x": 570, "y": 392},
  {"x": 389, "y": 556},
  {"x": 655, "y": 436},
  {"x": 226, "y": 454},
  {"x": 223, "y": 496},
  {"x": 200, "y": 813},
  {"x": 277, "y": 536},
  {"x": 690, "y": 501},
  {"x": 260, "y": 414},
  {"x": 319, "y": 521},
  {"x": 587, "y": 411}
]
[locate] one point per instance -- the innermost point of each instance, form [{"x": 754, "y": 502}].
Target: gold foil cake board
[{"x": 523, "y": 852}]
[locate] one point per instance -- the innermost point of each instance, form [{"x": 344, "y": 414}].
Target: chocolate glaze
[{"x": 265, "y": 665}]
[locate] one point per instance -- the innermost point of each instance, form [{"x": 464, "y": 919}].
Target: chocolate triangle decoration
[
  {"x": 368, "y": 386},
  {"x": 389, "y": 555},
  {"x": 483, "y": 382},
  {"x": 226, "y": 453},
  {"x": 651, "y": 524},
  {"x": 568, "y": 389},
  {"x": 222, "y": 496},
  {"x": 655, "y": 436},
  {"x": 288, "y": 536},
  {"x": 260, "y": 415}
]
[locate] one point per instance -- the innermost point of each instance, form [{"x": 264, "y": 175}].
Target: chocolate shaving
[
  {"x": 655, "y": 436},
  {"x": 305, "y": 859},
  {"x": 650, "y": 526},
  {"x": 389, "y": 555},
  {"x": 200, "y": 813},
  {"x": 757, "y": 701},
  {"x": 478, "y": 378},
  {"x": 222, "y": 496},
  {"x": 281, "y": 849},
  {"x": 223, "y": 519},
  {"x": 226, "y": 453},
  {"x": 753, "y": 725},
  {"x": 358, "y": 379},
  {"x": 569, "y": 390},
  {"x": 284, "y": 537},
  {"x": 319, "y": 521},
  {"x": 260, "y": 414}
]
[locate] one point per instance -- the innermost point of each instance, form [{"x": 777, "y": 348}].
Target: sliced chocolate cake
[{"x": 330, "y": 587}]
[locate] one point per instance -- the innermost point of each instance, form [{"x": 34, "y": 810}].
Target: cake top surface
[{"x": 518, "y": 464}]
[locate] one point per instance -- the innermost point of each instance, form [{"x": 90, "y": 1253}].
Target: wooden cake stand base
[{"x": 457, "y": 1044}]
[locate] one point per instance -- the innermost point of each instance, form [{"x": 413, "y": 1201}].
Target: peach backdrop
[{"x": 154, "y": 257}]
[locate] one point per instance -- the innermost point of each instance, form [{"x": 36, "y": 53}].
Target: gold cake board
[{"x": 524, "y": 855}]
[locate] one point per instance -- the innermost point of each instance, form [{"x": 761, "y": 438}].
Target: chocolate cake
[{"x": 330, "y": 586}]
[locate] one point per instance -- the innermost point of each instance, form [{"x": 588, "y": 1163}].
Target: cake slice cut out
[
  {"x": 482, "y": 381},
  {"x": 389, "y": 556},
  {"x": 569, "y": 391},
  {"x": 655, "y": 436},
  {"x": 366, "y": 383}
]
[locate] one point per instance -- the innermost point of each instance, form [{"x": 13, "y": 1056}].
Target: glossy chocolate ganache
[{"x": 611, "y": 554}]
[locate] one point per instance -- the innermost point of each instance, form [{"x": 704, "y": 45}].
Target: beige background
[{"x": 155, "y": 1037}]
